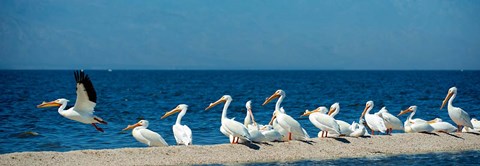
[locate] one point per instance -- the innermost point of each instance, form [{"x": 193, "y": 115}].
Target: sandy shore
[{"x": 325, "y": 148}]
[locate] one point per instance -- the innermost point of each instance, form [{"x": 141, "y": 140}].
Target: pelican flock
[{"x": 282, "y": 127}]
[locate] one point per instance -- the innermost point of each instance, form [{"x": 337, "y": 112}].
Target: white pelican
[
  {"x": 182, "y": 133},
  {"x": 321, "y": 120},
  {"x": 374, "y": 122},
  {"x": 235, "y": 130},
  {"x": 344, "y": 126},
  {"x": 253, "y": 128},
  {"x": 144, "y": 135},
  {"x": 358, "y": 129},
  {"x": 82, "y": 111},
  {"x": 391, "y": 121},
  {"x": 415, "y": 125},
  {"x": 476, "y": 126},
  {"x": 440, "y": 126},
  {"x": 458, "y": 115},
  {"x": 290, "y": 125}
]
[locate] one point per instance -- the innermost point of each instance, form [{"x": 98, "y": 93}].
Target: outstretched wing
[{"x": 86, "y": 95}]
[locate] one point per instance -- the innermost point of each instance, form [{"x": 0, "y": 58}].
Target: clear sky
[{"x": 243, "y": 34}]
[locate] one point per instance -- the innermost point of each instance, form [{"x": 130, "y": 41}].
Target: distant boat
[{"x": 109, "y": 70}]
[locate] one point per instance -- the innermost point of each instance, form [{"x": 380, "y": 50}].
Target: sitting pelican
[
  {"x": 391, "y": 121},
  {"x": 344, "y": 126},
  {"x": 235, "y": 130},
  {"x": 82, "y": 111},
  {"x": 476, "y": 126},
  {"x": 415, "y": 125},
  {"x": 321, "y": 120},
  {"x": 182, "y": 133},
  {"x": 358, "y": 129},
  {"x": 287, "y": 123},
  {"x": 458, "y": 115},
  {"x": 144, "y": 135},
  {"x": 253, "y": 128},
  {"x": 374, "y": 122},
  {"x": 440, "y": 126}
]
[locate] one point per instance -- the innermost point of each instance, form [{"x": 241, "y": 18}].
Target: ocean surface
[{"x": 124, "y": 97}]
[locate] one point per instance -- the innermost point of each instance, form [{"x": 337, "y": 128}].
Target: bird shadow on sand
[
  {"x": 252, "y": 146},
  {"x": 473, "y": 133},
  {"x": 435, "y": 134},
  {"x": 343, "y": 140},
  {"x": 365, "y": 136},
  {"x": 310, "y": 142},
  {"x": 453, "y": 135}
]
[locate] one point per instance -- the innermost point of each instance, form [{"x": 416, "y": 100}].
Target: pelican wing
[
  {"x": 375, "y": 122},
  {"x": 182, "y": 134},
  {"x": 328, "y": 122},
  {"x": 235, "y": 128},
  {"x": 86, "y": 95},
  {"x": 153, "y": 138},
  {"x": 392, "y": 120},
  {"x": 465, "y": 118}
]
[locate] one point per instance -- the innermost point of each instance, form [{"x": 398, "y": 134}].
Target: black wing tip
[{"x": 82, "y": 78}]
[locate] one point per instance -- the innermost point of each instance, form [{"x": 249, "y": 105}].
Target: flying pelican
[
  {"x": 440, "y": 126},
  {"x": 290, "y": 125},
  {"x": 235, "y": 130},
  {"x": 415, "y": 125},
  {"x": 253, "y": 128},
  {"x": 476, "y": 126},
  {"x": 344, "y": 126},
  {"x": 458, "y": 115},
  {"x": 144, "y": 135},
  {"x": 375, "y": 122},
  {"x": 321, "y": 120},
  {"x": 358, "y": 129},
  {"x": 391, "y": 121},
  {"x": 82, "y": 111},
  {"x": 182, "y": 133}
]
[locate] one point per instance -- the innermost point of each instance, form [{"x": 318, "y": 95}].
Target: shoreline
[{"x": 316, "y": 149}]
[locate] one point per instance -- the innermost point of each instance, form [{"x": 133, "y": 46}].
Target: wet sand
[{"x": 316, "y": 149}]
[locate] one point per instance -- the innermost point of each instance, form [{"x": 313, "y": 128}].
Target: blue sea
[{"x": 125, "y": 96}]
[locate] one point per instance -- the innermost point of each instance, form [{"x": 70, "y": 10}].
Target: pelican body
[
  {"x": 233, "y": 129},
  {"x": 358, "y": 129},
  {"x": 182, "y": 133},
  {"x": 146, "y": 136},
  {"x": 83, "y": 109},
  {"x": 391, "y": 121},
  {"x": 458, "y": 115},
  {"x": 324, "y": 122},
  {"x": 415, "y": 125},
  {"x": 375, "y": 122},
  {"x": 287, "y": 123}
]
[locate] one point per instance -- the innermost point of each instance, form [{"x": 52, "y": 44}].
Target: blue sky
[{"x": 271, "y": 34}]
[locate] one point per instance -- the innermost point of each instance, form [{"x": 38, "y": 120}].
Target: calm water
[{"x": 126, "y": 96}]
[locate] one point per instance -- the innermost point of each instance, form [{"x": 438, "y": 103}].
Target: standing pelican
[
  {"x": 375, "y": 122},
  {"x": 144, "y": 135},
  {"x": 440, "y": 126},
  {"x": 290, "y": 125},
  {"x": 344, "y": 126},
  {"x": 391, "y": 121},
  {"x": 415, "y": 125},
  {"x": 182, "y": 133},
  {"x": 458, "y": 115},
  {"x": 235, "y": 130},
  {"x": 82, "y": 111},
  {"x": 321, "y": 120}
]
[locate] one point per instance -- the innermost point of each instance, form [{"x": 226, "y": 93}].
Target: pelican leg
[
  {"x": 373, "y": 132},
  {"x": 459, "y": 128},
  {"x": 289, "y": 136},
  {"x": 98, "y": 128},
  {"x": 323, "y": 133},
  {"x": 99, "y": 120},
  {"x": 326, "y": 134}
]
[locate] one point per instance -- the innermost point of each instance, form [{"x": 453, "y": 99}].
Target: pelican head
[
  {"x": 368, "y": 106},
  {"x": 177, "y": 109},
  {"x": 143, "y": 123},
  {"x": 274, "y": 116},
  {"x": 223, "y": 99},
  {"x": 435, "y": 121},
  {"x": 412, "y": 108},
  {"x": 55, "y": 103},
  {"x": 333, "y": 108},
  {"x": 275, "y": 95},
  {"x": 451, "y": 92},
  {"x": 306, "y": 113},
  {"x": 248, "y": 105}
]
